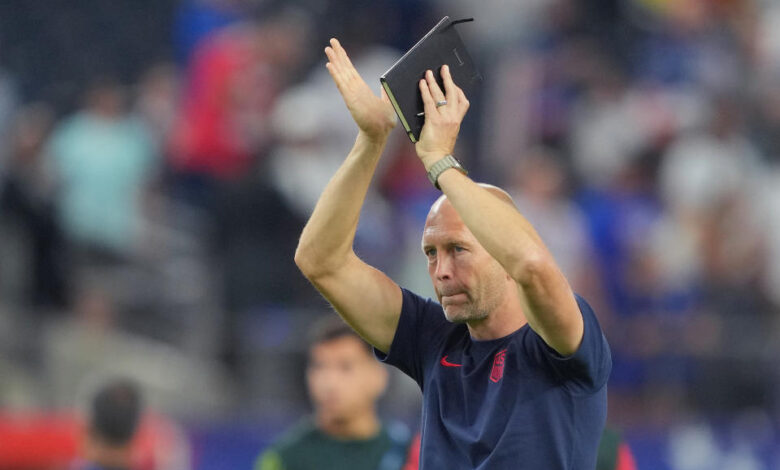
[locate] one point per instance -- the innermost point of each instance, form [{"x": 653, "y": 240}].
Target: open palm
[{"x": 374, "y": 115}]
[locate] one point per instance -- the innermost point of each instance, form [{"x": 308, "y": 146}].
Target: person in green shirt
[
  {"x": 345, "y": 382},
  {"x": 614, "y": 452}
]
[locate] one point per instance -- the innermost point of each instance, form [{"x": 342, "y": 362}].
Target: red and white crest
[{"x": 498, "y": 366}]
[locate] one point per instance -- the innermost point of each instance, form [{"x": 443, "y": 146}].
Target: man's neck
[
  {"x": 364, "y": 426},
  {"x": 504, "y": 320}
]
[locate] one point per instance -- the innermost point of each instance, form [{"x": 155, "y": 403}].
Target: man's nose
[{"x": 444, "y": 267}]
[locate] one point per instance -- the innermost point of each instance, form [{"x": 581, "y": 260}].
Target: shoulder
[
  {"x": 294, "y": 439},
  {"x": 301, "y": 432},
  {"x": 67, "y": 128}
]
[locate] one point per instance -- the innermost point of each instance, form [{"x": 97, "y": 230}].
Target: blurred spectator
[
  {"x": 103, "y": 158},
  {"x": 706, "y": 44},
  {"x": 196, "y": 19},
  {"x": 217, "y": 155},
  {"x": 27, "y": 203},
  {"x": 344, "y": 382},
  {"x": 255, "y": 232},
  {"x": 538, "y": 185},
  {"x": 121, "y": 431},
  {"x": 705, "y": 216},
  {"x": 499, "y": 23},
  {"x": 314, "y": 132},
  {"x": 95, "y": 341},
  {"x": 157, "y": 99},
  {"x": 114, "y": 414},
  {"x": 232, "y": 83}
]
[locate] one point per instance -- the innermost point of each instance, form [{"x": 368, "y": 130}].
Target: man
[
  {"x": 113, "y": 420},
  {"x": 513, "y": 366},
  {"x": 344, "y": 382}
]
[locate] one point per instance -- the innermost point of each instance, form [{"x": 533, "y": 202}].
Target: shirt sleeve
[
  {"x": 588, "y": 369},
  {"x": 417, "y": 337}
]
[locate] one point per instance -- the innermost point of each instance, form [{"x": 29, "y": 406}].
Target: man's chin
[
  {"x": 456, "y": 314},
  {"x": 334, "y": 416}
]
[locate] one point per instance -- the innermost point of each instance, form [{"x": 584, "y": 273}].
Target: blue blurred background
[{"x": 158, "y": 159}]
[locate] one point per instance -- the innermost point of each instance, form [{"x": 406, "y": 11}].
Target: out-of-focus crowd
[{"x": 158, "y": 160}]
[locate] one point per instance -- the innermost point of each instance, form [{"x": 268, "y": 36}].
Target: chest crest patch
[{"x": 498, "y": 366}]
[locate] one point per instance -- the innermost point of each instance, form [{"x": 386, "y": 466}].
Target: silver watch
[{"x": 447, "y": 162}]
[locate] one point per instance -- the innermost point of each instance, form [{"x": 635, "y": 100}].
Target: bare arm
[
  {"x": 364, "y": 296},
  {"x": 548, "y": 301}
]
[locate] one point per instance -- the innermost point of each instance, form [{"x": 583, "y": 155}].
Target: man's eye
[
  {"x": 458, "y": 248},
  {"x": 430, "y": 253}
]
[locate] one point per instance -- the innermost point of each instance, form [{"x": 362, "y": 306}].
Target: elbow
[
  {"x": 312, "y": 265},
  {"x": 533, "y": 268},
  {"x": 305, "y": 262}
]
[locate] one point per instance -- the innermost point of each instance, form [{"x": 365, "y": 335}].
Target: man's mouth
[{"x": 454, "y": 297}]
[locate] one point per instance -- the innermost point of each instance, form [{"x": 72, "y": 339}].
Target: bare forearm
[
  {"x": 547, "y": 299},
  {"x": 326, "y": 241},
  {"x": 499, "y": 227}
]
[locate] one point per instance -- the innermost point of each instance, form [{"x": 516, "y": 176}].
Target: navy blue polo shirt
[{"x": 508, "y": 403}]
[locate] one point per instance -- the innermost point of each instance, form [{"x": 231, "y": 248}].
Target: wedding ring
[{"x": 441, "y": 103}]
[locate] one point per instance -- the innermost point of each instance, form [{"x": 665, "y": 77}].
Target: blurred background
[{"x": 158, "y": 159}]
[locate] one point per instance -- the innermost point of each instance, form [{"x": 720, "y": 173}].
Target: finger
[
  {"x": 340, "y": 52},
  {"x": 449, "y": 86},
  {"x": 336, "y": 72},
  {"x": 340, "y": 67},
  {"x": 463, "y": 102},
  {"x": 330, "y": 53},
  {"x": 428, "y": 103},
  {"x": 336, "y": 54},
  {"x": 436, "y": 92}
]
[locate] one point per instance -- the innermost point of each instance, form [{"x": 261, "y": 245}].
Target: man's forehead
[
  {"x": 443, "y": 221},
  {"x": 442, "y": 213}
]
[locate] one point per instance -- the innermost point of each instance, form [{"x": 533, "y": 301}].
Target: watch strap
[{"x": 445, "y": 163}]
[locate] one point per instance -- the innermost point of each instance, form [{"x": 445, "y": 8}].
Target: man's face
[
  {"x": 469, "y": 283},
  {"x": 344, "y": 379}
]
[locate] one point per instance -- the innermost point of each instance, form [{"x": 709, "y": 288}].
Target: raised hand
[
  {"x": 444, "y": 111},
  {"x": 374, "y": 115}
]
